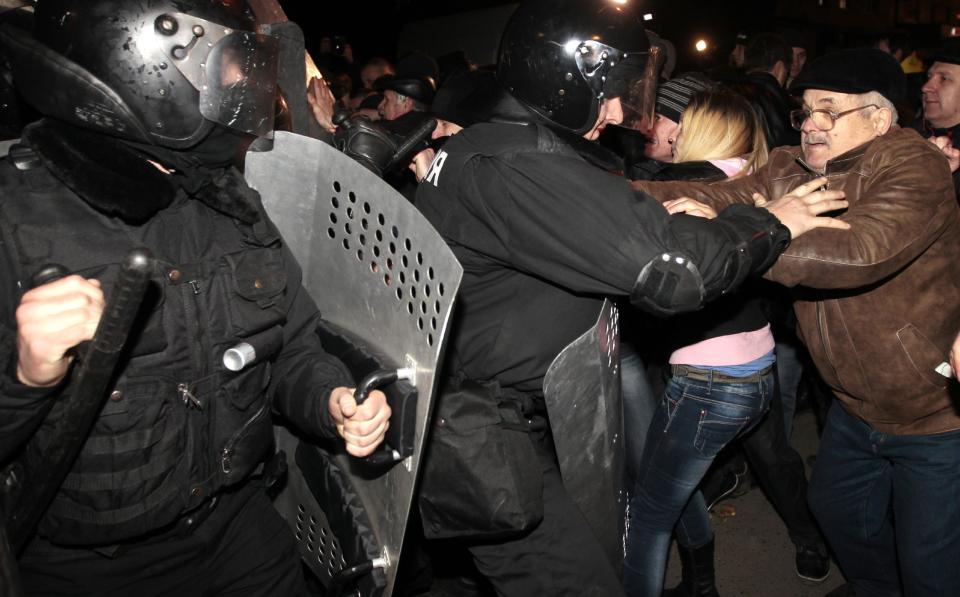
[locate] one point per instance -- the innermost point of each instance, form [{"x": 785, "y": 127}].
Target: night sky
[{"x": 373, "y": 26}]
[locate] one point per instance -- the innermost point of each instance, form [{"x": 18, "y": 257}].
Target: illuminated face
[
  {"x": 445, "y": 128},
  {"x": 799, "y": 59},
  {"x": 393, "y": 105},
  {"x": 677, "y": 143},
  {"x": 941, "y": 95},
  {"x": 849, "y": 131},
  {"x": 660, "y": 138},
  {"x": 611, "y": 112}
]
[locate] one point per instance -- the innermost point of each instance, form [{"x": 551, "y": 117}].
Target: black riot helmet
[
  {"x": 161, "y": 72},
  {"x": 561, "y": 58}
]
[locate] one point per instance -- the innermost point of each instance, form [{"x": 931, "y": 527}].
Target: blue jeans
[
  {"x": 694, "y": 421},
  {"x": 865, "y": 480}
]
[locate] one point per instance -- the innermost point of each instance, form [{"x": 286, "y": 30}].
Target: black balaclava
[{"x": 115, "y": 177}]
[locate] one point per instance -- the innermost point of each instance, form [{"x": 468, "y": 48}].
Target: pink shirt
[
  {"x": 730, "y": 166},
  {"x": 733, "y": 349}
]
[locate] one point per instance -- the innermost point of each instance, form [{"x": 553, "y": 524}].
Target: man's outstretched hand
[{"x": 800, "y": 209}]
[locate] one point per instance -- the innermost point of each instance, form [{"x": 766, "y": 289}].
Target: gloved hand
[
  {"x": 384, "y": 146},
  {"x": 367, "y": 143}
]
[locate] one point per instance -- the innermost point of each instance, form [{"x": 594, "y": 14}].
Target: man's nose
[
  {"x": 807, "y": 126},
  {"x": 614, "y": 111}
]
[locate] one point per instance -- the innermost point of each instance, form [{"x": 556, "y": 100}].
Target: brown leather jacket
[{"x": 878, "y": 305}]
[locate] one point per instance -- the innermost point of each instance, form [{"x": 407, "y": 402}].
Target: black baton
[
  {"x": 412, "y": 144},
  {"x": 45, "y": 464}
]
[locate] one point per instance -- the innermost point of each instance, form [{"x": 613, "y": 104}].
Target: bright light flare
[{"x": 701, "y": 45}]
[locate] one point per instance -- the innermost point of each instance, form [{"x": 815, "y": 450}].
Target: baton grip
[
  {"x": 48, "y": 273},
  {"x": 47, "y": 460},
  {"x": 410, "y": 145}
]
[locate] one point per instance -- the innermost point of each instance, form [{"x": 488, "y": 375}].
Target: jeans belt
[{"x": 711, "y": 375}]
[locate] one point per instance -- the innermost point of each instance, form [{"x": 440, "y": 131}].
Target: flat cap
[{"x": 854, "y": 71}]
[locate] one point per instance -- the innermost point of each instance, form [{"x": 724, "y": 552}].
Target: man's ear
[
  {"x": 780, "y": 71},
  {"x": 882, "y": 120}
]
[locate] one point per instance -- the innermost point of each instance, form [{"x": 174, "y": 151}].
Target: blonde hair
[{"x": 719, "y": 125}]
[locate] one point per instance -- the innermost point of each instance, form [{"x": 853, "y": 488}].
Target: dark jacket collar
[{"x": 928, "y": 130}]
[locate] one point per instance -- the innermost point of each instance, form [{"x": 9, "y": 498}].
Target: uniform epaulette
[{"x": 24, "y": 157}]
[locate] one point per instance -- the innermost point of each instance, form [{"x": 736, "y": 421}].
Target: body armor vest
[{"x": 178, "y": 426}]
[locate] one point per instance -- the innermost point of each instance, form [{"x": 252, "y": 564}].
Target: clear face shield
[
  {"x": 234, "y": 71},
  {"x": 630, "y": 76}
]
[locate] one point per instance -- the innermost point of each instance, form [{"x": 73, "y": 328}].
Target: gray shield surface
[
  {"x": 582, "y": 392},
  {"x": 379, "y": 270}
]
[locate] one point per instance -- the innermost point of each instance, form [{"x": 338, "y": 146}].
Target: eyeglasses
[{"x": 823, "y": 119}]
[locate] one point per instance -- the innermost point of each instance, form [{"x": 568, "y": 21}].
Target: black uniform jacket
[
  {"x": 543, "y": 235},
  {"x": 178, "y": 427}
]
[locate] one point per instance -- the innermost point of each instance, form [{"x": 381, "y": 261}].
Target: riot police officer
[
  {"x": 146, "y": 106},
  {"x": 543, "y": 234}
]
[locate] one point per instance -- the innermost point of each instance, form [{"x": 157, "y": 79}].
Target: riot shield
[
  {"x": 383, "y": 278},
  {"x": 582, "y": 392},
  {"x": 295, "y": 65}
]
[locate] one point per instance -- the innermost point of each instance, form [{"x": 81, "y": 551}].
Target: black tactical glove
[
  {"x": 367, "y": 143},
  {"x": 387, "y": 145}
]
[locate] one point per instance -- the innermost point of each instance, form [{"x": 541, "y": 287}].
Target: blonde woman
[{"x": 721, "y": 371}]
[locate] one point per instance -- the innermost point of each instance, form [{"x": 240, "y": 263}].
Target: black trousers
[
  {"x": 558, "y": 557},
  {"x": 243, "y": 548},
  {"x": 779, "y": 471}
]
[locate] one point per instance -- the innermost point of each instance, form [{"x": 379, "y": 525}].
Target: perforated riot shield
[
  {"x": 385, "y": 283},
  {"x": 582, "y": 392}
]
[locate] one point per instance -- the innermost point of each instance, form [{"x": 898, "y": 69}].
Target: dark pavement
[{"x": 754, "y": 554}]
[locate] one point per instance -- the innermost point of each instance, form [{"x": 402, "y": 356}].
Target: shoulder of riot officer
[{"x": 506, "y": 139}]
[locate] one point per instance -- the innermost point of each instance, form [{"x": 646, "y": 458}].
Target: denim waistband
[{"x": 710, "y": 375}]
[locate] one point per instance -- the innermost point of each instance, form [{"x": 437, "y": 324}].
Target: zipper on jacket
[
  {"x": 197, "y": 334},
  {"x": 227, "y": 453},
  {"x": 188, "y": 397},
  {"x": 192, "y": 323}
]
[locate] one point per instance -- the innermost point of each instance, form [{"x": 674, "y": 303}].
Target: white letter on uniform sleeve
[{"x": 433, "y": 176}]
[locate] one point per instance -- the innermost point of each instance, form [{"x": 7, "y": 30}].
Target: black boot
[{"x": 698, "y": 578}]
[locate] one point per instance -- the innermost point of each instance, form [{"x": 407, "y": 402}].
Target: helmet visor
[
  {"x": 634, "y": 80},
  {"x": 234, "y": 71},
  {"x": 238, "y": 85}
]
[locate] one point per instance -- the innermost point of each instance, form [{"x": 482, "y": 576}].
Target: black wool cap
[
  {"x": 859, "y": 70},
  {"x": 416, "y": 78},
  {"x": 949, "y": 52},
  {"x": 674, "y": 95}
]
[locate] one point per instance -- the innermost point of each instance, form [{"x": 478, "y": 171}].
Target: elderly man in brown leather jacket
[{"x": 878, "y": 308}]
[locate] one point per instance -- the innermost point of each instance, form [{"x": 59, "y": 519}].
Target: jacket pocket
[
  {"x": 244, "y": 432},
  {"x": 481, "y": 475},
  {"x": 922, "y": 354},
  {"x": 256, "y": 282}
]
